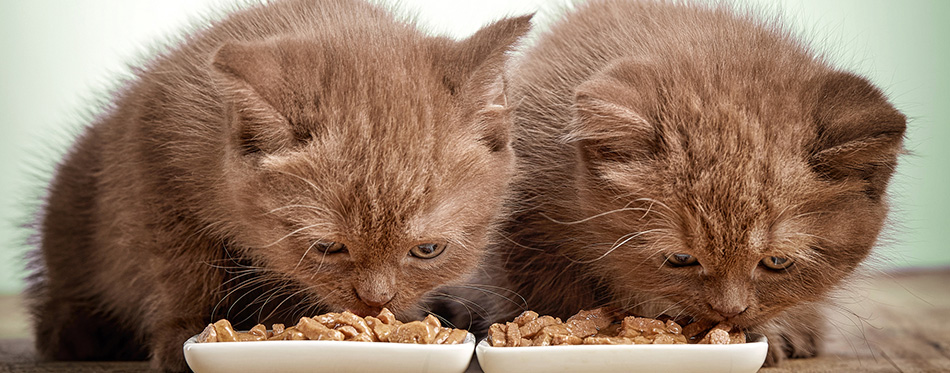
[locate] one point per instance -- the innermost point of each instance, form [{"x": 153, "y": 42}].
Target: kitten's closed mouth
[{"x": 365, "y": 311}]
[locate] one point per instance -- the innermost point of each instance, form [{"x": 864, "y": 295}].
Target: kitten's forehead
[{"x": 739, "y": 184}]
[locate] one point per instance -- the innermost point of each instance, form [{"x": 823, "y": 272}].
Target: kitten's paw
[
  {"x": 794, "y": 343},
  {"x": 167, "y": 353}
]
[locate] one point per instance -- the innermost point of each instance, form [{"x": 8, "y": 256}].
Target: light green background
[{"x": 58, "y": 57}]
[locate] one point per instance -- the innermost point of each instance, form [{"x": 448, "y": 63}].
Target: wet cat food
[
  {"x": 344, "y": 326},
  {"x": 598, "y": 326}
]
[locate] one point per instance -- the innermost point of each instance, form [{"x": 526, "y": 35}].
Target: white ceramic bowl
[
  {"x": 736, "y": 358},
  {"x": 327, "y": 356}
]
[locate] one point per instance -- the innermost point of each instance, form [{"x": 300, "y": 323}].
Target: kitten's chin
[{"x": 364, "y": 311}]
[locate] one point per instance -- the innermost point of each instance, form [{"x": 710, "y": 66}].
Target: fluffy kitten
[
  {"x": 289, "y": 159},
  {"x": 693, "y": 160}
]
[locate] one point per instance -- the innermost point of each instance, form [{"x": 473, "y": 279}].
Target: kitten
[
  {"x": 693, "y": 160},
  {"x": 289, "y": 159}
]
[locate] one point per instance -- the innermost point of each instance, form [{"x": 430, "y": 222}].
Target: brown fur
[
  {"x": 206, "y": 189},
  {"x": 646, "y": 129}
]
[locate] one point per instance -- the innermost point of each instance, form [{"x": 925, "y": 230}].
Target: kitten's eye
[
  {"x": 427, "y": 250},
  {"x": 776, "y": 263},
  {"x": 681, "y": 260},
  {"x": 331, "y": 247}
]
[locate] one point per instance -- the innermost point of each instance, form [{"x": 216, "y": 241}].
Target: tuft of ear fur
[
  {"x": 859, "y": 135},
  {"x": 246, "y": 75},
  {"x": 612, "y": 114},
  {"x": 474, "y": 72},
  {"x": 480, "y": 59}
]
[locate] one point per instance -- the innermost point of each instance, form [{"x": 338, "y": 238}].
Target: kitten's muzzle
[
  {"x": 374, "y": 299},
  {"x": 728, "y": 312}
]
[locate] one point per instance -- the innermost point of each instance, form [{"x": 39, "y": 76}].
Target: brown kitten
[
  {"x": 290, "y": 159},
  {"x": 693, "y": 160}
]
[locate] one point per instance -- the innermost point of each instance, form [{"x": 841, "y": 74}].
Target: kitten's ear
[
  {"x": 480, "y": 59},
  {"x": 246, "y": 75},
  {"x": 859, "y": 134},
  {"x": 612, "y": 115},
  {"x": 474, "y": 71}
]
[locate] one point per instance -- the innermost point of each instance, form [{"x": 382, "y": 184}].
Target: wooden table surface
[{"x": 891, "y": 322}]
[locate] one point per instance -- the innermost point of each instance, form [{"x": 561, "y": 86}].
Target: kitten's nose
[
  {"x": 375, "y": 299},
  {"x": 728, "y": 311}
]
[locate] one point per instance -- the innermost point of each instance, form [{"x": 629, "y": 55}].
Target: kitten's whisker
[
  {"x": 239, "y": 275},
  {"x": 290, "y": 296},
  {"x": 273, "y": 292},
  {"x": 464, "y": 302},
  {"x": 518, "y": 244},
  {"x": 319, "y": 265},
  {"x": 298, "y": 230},
  {"x": 310, "y": 183},
  {"x": 622, "y": 209},
  {"x": 616, "y": 245},
  {"x": 524, "y": 302},
  {"x": 257, "y": 282},
  {"x": 624, "y": 304},
  {"x": 668, "y": 308},
  {"x": 260, "y": 283},
  {"x": 444, "y": 321},
  {"x": 310, "y": 207},
  {"x": 305, "y": 255}
]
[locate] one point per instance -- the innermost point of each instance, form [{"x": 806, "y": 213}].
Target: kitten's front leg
[
  {"x": 181, "y": 309},
  {"x": 167, "y": 338},
  {"x": 796, "y": 334}
]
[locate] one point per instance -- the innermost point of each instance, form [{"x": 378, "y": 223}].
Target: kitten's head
[
  {"x": 367, "y": 170},
  {"x": 728, "y": 200}
]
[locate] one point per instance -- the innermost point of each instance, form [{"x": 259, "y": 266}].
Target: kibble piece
[
  {"x": 225, "y": 332},
  {"x": 598, "y": 316},
  {"x": 716, "y": 337},
  {"x": 292, "y": 334},
  {"x": 358, "y": 323},
  {"x": 664, "y": 339},
  {"x": 646, "y": 327},
  {"x": 317, "y": 331},
  {"x": 328, "y": 319},
  {"x": 456, "y": 336},
  {"x": 380, "y": 329},
  {"x": 208, "y": 335},
  {"x": 348, "y": 331},
  {"x": 600, "y": 340},
  {"x": 363, "y": 337},
  {"x": 513, "y": 335},
  {"x": 531, "y": 328},
  {"x": 414, "y": 332},
  {"x": 497, "y": 333},
  {"x": 542, "y": 339},
  {"x": 566, "y": 339},
  {"x": 257, "y": 333},
  {"x": 432, "y": 320},
  {"x": 450, "y": 336},
  {"x": 694, "y": 331},
  {"x": 673, "y": 328},
  {"x": 642, "y": 340},
  {"x": 581, "y": 328},
  {"x": 387, "y": 317},
  {"x": 525, "y": 317}
]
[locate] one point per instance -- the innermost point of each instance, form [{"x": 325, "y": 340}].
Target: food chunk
[
  {"x": 343, "y": 326},
  {"x": 599, "y": 327}
]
